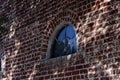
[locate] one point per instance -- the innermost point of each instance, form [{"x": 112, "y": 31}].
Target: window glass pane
[
  {"x": 61, "y": 36},
  {"x": 65, "y": 42},
  {"x": 70, "y": 33}
]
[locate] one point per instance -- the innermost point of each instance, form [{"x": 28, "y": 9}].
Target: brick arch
[{"x": 59, "y": 21}]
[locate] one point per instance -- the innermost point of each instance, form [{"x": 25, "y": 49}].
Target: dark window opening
[{"x": 65, "y": 42}]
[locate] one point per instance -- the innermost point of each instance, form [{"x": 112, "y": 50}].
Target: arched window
[{"x": 65, "y": 42}]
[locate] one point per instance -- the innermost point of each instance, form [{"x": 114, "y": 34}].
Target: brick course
[{"x": 32, "y": 24}]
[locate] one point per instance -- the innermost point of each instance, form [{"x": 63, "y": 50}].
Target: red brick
[{"x": 26, "y": 53}]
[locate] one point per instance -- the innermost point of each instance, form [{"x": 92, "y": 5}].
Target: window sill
[{"x": 61, "y": 61}]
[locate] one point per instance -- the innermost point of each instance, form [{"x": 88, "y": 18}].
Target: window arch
[{"x": 65, "y": 42}]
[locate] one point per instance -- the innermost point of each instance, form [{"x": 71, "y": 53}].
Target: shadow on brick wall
[{"x": 97, "y": 33}]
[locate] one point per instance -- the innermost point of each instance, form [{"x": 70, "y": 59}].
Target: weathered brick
[{"x": 26, "y": 54}]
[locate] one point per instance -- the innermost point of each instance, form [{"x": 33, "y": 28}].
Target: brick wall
[{"x": 32, "y": 24}]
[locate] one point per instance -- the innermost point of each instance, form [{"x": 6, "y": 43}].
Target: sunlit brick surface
[{"x": 31, "y": 24}]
